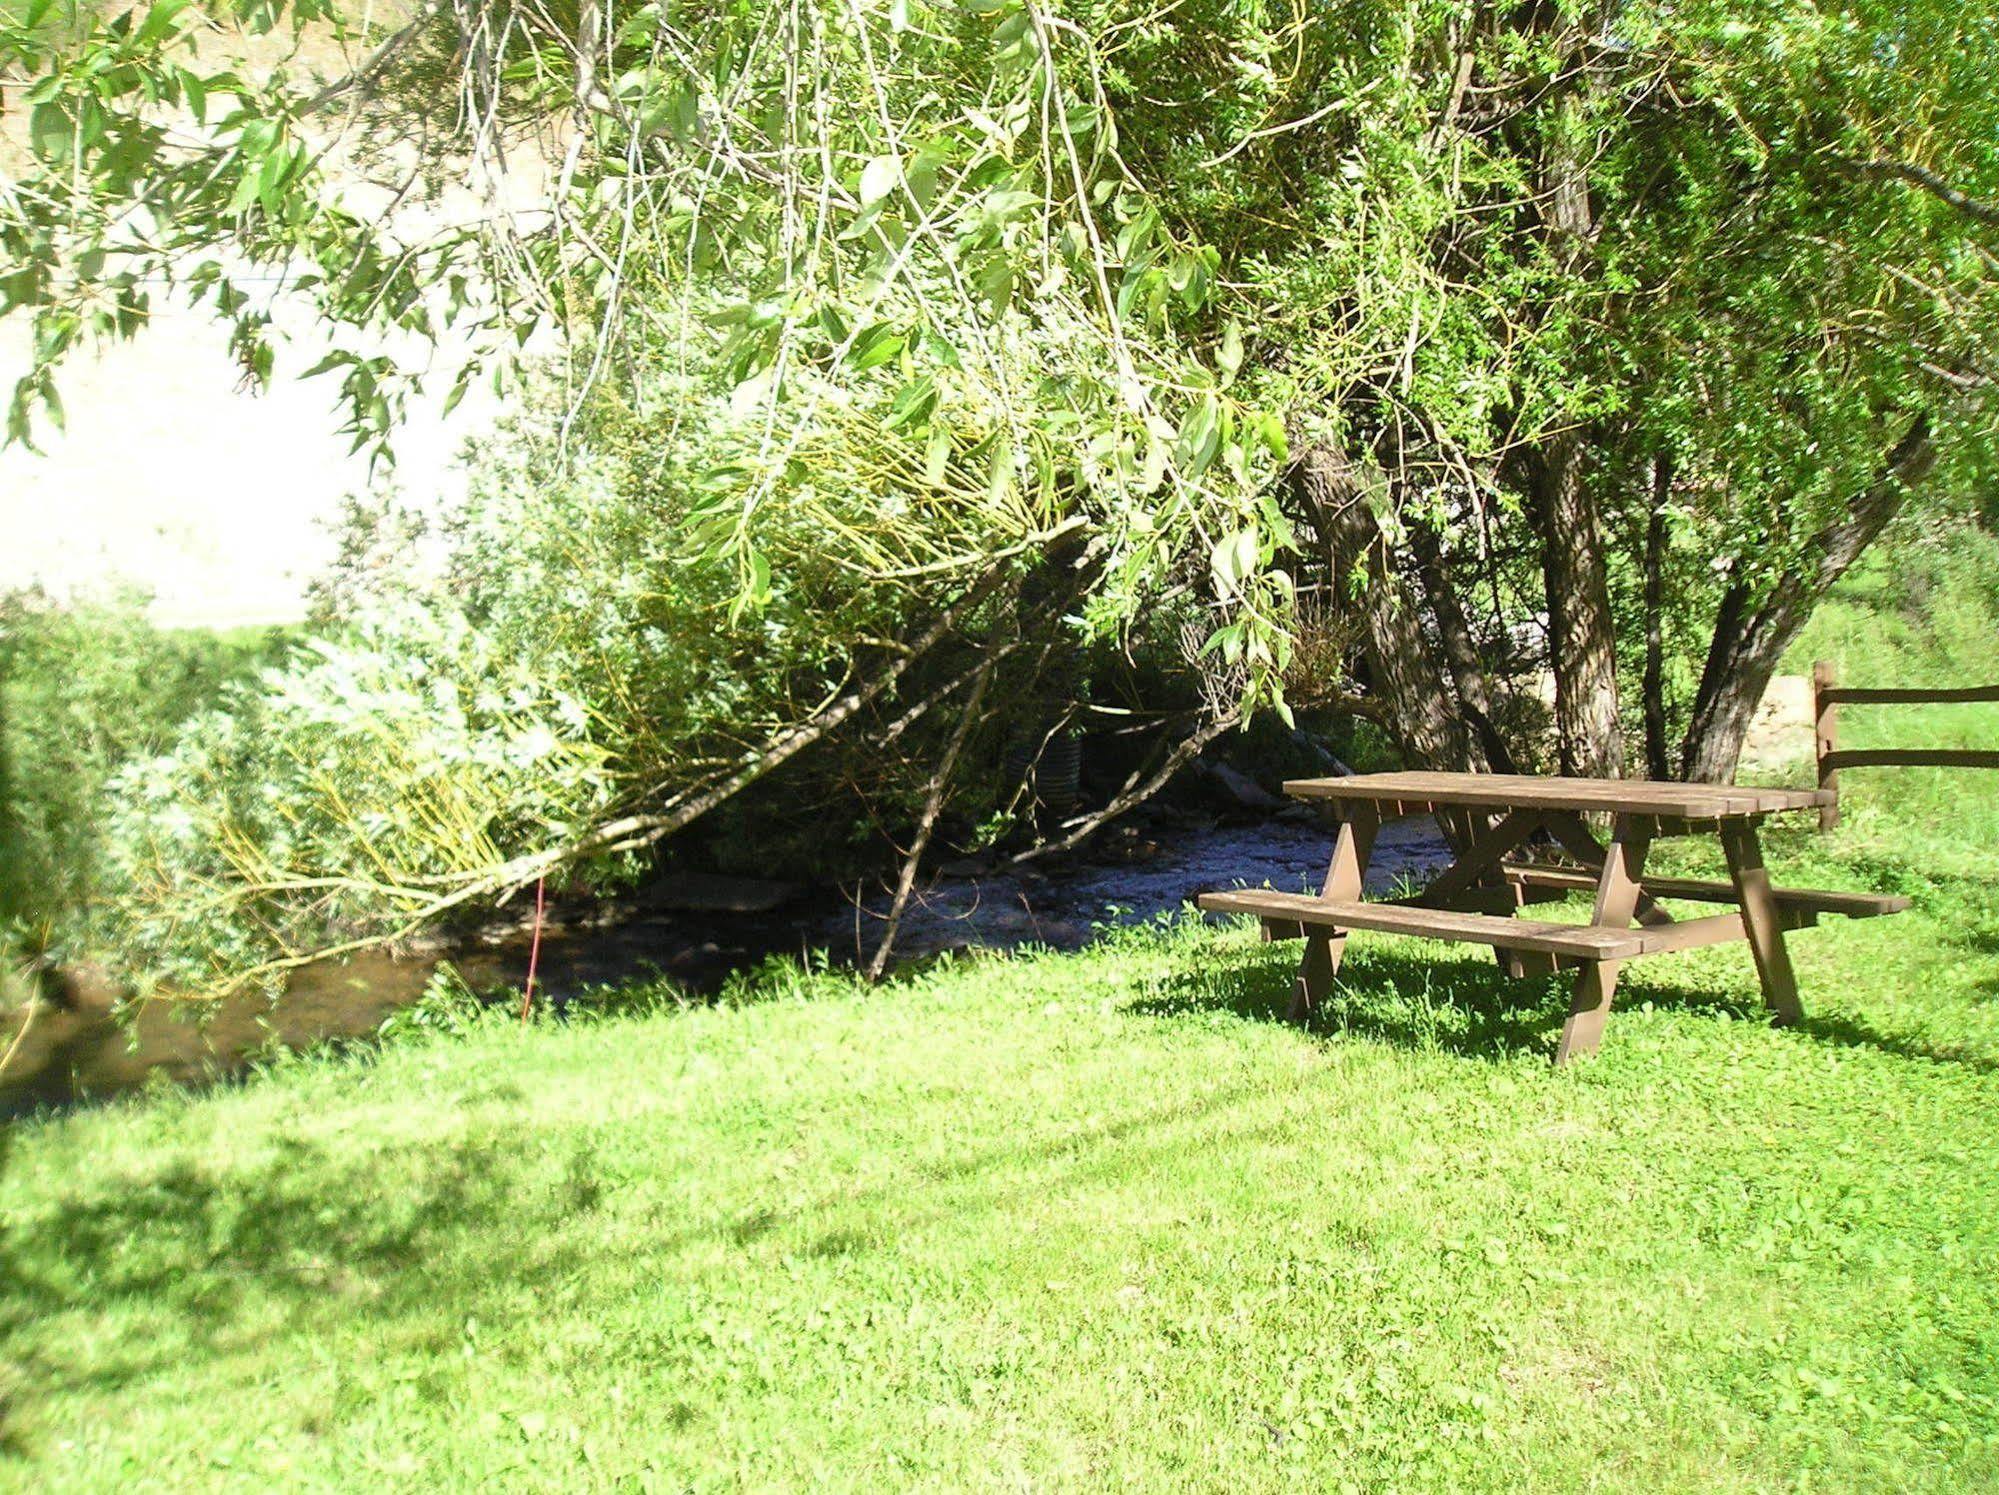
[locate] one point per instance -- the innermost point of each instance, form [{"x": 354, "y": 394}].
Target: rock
[{"x": 1127, "y": 846}]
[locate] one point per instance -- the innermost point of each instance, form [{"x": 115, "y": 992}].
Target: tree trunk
[
  {"x": 1747, "y": 646},
  {"x": 1582, "y": 636},
  {"x": 1582, "y": 641},
  {"x": 1655, "y": 605},
  {"x": 1405, "y": 673},
  {"x": 1460, "y": 650},
  {"x": 933, "y": 806}
]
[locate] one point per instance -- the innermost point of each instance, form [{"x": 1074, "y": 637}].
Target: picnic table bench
[{"x": 1491, "y": 818}]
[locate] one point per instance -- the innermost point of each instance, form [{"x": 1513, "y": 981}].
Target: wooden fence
[{"x": 1828, "y": 697}]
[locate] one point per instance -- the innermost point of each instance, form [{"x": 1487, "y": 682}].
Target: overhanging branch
[{"x": 1884, "y": 168}]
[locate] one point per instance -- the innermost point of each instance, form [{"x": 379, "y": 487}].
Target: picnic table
[{"x": 1491, "y": 820}]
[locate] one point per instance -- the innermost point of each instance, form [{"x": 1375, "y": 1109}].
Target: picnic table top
[{"x": 1536, "y": 792}]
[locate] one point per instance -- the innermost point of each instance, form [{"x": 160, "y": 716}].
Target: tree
[
  {"x": 1482, "y": 321},
  {"x": 1525, "y": 258}
]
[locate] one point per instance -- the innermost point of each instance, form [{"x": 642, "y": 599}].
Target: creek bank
[{"x": 694, "y": 930}]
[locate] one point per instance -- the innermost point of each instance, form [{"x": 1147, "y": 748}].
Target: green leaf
[
  {"x": 996, "y": 284},
  {"x": 879, "y": 178},
  {"x": 160, "y": 20},
  {"x": 1233, "y": 559},
  {"x": 194, "y": 88},
  {"x": 753, "y": 393},
  {"x": 937, "y": 456},
  {"x": 50, "y": 131},
  {"x": 913, "y": 403},
  {"x": 1228, "y": 357},
  {"x": 1012, "y": 33},
  {"x": 1010, "y": 203},
  {"x": 1270, "y": 427},
  {"x": 1200, "y": 435},
  {"x": 334, "y": 360},
  {"x": 875, "y": 347},
  {"x": 999, "y": 482}
]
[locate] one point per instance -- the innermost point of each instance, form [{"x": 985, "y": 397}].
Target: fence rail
[
  {"x": 1867, "y": 695},
  {"x": 1828, "y": 697}
]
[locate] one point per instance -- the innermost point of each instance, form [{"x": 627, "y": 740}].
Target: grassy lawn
[{"x": 1076, "y": 1221}]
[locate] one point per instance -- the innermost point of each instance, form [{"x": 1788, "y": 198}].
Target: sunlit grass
[{"x": 1068, "y": 1220}]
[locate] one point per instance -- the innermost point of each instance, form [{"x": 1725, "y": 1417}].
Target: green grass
[
  {"x": 1066, "y": 1221},
  {"x": 1076, "y": 1222}
]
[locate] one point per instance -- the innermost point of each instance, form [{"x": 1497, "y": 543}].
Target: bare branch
[
  {"x": 1886, "y": 169},
  {"x": 1135, "y": 794}
]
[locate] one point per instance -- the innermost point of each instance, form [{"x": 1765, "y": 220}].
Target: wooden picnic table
[{"x": 1491, "y": 820}]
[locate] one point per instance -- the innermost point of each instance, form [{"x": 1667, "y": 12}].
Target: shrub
[
  {"x": 86, "y": 689},
  {"x": 541, "y": 663}
]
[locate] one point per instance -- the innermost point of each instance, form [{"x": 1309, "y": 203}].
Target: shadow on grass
[
  {"x": 1468, "y": 1006},
  {"x": 192, "y": 1248},
  {"x": 1852, "y": 1034},
  {"x": 1461, "y": 1005},
  {"x": 201, "y": 1255}
]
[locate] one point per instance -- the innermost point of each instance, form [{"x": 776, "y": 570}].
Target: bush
[
  {"x": 566, "y": 669},
  {"x": 543, "y": 661},
  {"x": 85, "y": 690}
]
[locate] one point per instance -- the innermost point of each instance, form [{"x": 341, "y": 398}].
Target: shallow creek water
[{"x": 694, "y": 931}]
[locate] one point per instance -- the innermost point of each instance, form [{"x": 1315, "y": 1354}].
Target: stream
[{"x": 694, "y": 930}]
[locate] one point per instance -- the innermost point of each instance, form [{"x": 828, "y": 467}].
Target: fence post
[{"x": 1825, "y": 715}]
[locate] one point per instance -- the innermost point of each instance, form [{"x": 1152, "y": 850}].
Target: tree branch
[
  {"x": 1133, "y": 794},
  {"x": 377, "y": 61},
  {"x": 1886, "y": 169},
  {"x": 933, "y": 805}
]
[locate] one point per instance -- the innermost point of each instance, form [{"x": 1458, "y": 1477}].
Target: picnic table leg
[
  {"x": 1574, "y": 834},
  {"x": 1523, "y": 963},
  {"x": 1478, "y": 867},
  {"x": 1324, "y": 947},
  {"x": 1761, "y": 922},
  {"x": 1616, "y": 902}
]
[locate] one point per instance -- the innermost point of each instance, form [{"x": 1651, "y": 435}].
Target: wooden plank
[
  {"x": 1699, "y": 890},
  {"x": 1868, "y": 695},
  {"x": 1909, "y": 758},
  {"x": 1663, "y": 939},
  {"x": 1493, "y": 899},
  {"x": 1525, "y": 791},
  {"x": 1481, "y": 856},
  {"x": 1325, "y": 947},
  {"x": 1579, "y": 940},
  {"x": 1716, "y": 929},
  {"x": 1761, "y": 920},
  {"x": 1825, "y": 726},
  {"x": 1617, "y": 898}
]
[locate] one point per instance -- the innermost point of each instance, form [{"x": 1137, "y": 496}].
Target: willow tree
[
  {"x": 1460, "y": 316},
  {"x": 1564, "y": 292}
]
